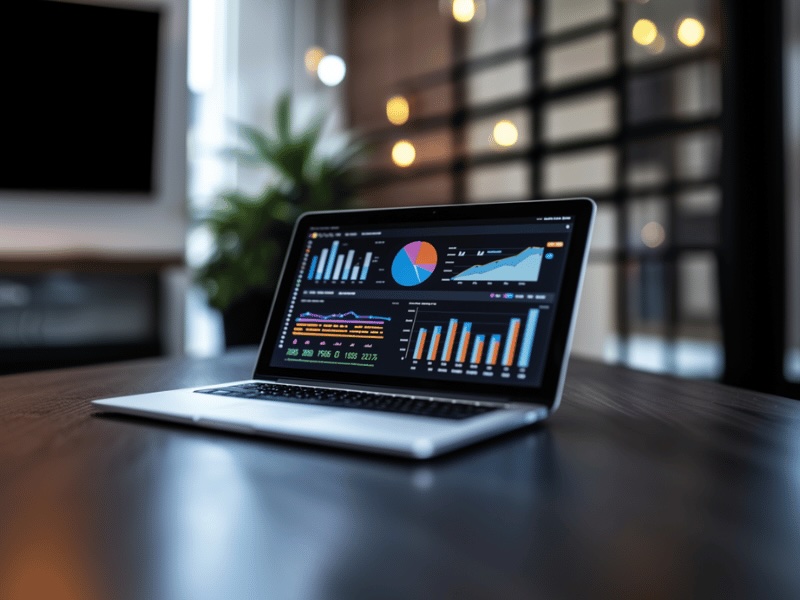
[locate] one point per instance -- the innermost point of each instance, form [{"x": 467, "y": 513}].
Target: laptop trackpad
[{"x": 256, "y": 412}]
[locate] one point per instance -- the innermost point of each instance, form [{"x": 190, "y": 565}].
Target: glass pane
[
  {"x": 497, "y": 26},
  {"x": 697, "y": 155},
  {"x": 697, "y": 216},
  {"x": 699, "y": 350},
  {"x": 595, "y": 329},
  {"x": 649, "y": 163},
  {"x": 507, "y": 181},
  {"x": 507, "y": 80},
  {"x": 589, "y": 171},
  {"x": 687, "y": 92},
  {"x": 698, "y": 300},
  {"x": 578, "y": 118},
  {"x": 568, "y": 14},
  {"x": 585, "y": 58},
  {"x": 647, "y": 347},
  {"x": 604, "y": 236}
]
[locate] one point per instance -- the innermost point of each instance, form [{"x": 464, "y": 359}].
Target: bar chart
[
  {"x": 458, "y": 341},
  {"x": 339, "y": 264}
]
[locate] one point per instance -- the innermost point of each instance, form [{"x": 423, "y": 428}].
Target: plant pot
[{"x": 244, "y": 320}]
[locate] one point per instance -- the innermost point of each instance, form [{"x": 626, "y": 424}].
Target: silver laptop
[{"x": 409, "y": 331}]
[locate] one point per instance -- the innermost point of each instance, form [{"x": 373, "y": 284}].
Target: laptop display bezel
[{"x": 581, "y": 209}]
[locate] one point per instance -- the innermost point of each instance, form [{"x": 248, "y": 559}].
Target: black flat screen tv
[{"x": 78, "y": 110}]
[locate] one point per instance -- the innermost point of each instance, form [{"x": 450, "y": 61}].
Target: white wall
[{"x": 153, "y": 225}]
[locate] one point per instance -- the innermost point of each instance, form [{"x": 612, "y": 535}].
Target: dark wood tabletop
[{"x": 640, "y": 486}]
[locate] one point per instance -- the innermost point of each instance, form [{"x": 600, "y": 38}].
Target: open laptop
[{"x": 408, "y": 331}]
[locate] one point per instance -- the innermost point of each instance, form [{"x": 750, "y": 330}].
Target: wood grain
[{"x": 640, "y": 486}]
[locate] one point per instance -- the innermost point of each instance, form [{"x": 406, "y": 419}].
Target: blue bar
[
  {"x": 464, "y": 331},
  {"x": 450, "y": 329},
  {"x": 322, "y": 257},
  {"x": 478, "y": 342},
  {"x": 347, "y": 264},
  {"x": 338, "y": 269},
  {"x": 493, "y": 341},
  {"x": 420, "y": 337},
  {"x": 509, "y": 340},
  {"x": 432, "y": 348},
  {"x": 367, "y": 260},
  {"x": 527, "y": 338},
  {"x": 313, "y": 266},
  {"x": 331, "y": 259}
]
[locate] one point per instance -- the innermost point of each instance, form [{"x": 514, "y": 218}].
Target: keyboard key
[{"x": 408, "y": 405}]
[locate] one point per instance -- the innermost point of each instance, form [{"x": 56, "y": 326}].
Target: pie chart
[{"x": 414, "y": 263}]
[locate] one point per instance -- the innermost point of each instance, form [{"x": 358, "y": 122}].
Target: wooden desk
[{"x": 639, "y": 486}]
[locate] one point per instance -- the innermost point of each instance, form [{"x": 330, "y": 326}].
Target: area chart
[{"x": 524, "y": 266}]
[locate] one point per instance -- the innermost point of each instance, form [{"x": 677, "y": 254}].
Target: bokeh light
[
  {"x": 312, "y": 58},
  {"x": 331, "y": 70},
  {"x": 644, "y": 32},
  {"x": 505, "y": 133},
  {"x": 691, "y": 32},
  {"x": 403, "y": 153},
  {"x": 397, "y": 110},
  {"x": 464, "y": 10},
  {"x": 653, "y": 234}
]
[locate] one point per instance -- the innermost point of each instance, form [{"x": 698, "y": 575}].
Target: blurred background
[{"x": 680, "y": 117}]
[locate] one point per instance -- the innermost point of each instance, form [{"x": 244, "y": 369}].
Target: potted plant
[{"x": 251, "y": 231}]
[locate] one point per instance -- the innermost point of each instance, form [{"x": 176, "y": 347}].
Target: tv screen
[{"x": 78, "y": 107}]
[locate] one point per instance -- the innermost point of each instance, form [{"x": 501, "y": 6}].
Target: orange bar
[
  {"x": 514, "y": 336},
  {"x": 463, "y": 356},
  {"x": 435, "y": 345},
  {"x": 418, "y": 355},
  {"x": 452, "y": 335},
  {"x": 479, "y": 353},
  {"x": 495, "y": 352}
]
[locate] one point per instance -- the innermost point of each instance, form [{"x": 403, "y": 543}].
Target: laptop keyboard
[{"x": 408, "y": 405}]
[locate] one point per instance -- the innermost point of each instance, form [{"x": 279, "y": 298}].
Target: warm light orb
[
  {"x": 313, "y": 57},
  {"x": 397, "y": 110},
  {"x": 691, "y": 32},
  {"x": 505, "y": 133},
  {"x": 644, "y": 32},
  {"x": 403, "y": 153},
  {"x": 653, "y": 234},
  {"x": 331, "y": 70},
  {"x": 464, "y": 10}
]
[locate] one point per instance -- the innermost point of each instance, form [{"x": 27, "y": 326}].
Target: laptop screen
[{"x": 463, "y": 301}]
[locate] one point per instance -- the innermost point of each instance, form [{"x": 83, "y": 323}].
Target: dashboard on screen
[{"x": 459, "y": 301}]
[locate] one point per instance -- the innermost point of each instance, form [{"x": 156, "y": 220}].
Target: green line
[{"x": 330, "y": 362}]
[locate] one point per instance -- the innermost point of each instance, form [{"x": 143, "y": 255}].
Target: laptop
[{"x": 407, "y": 331}]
